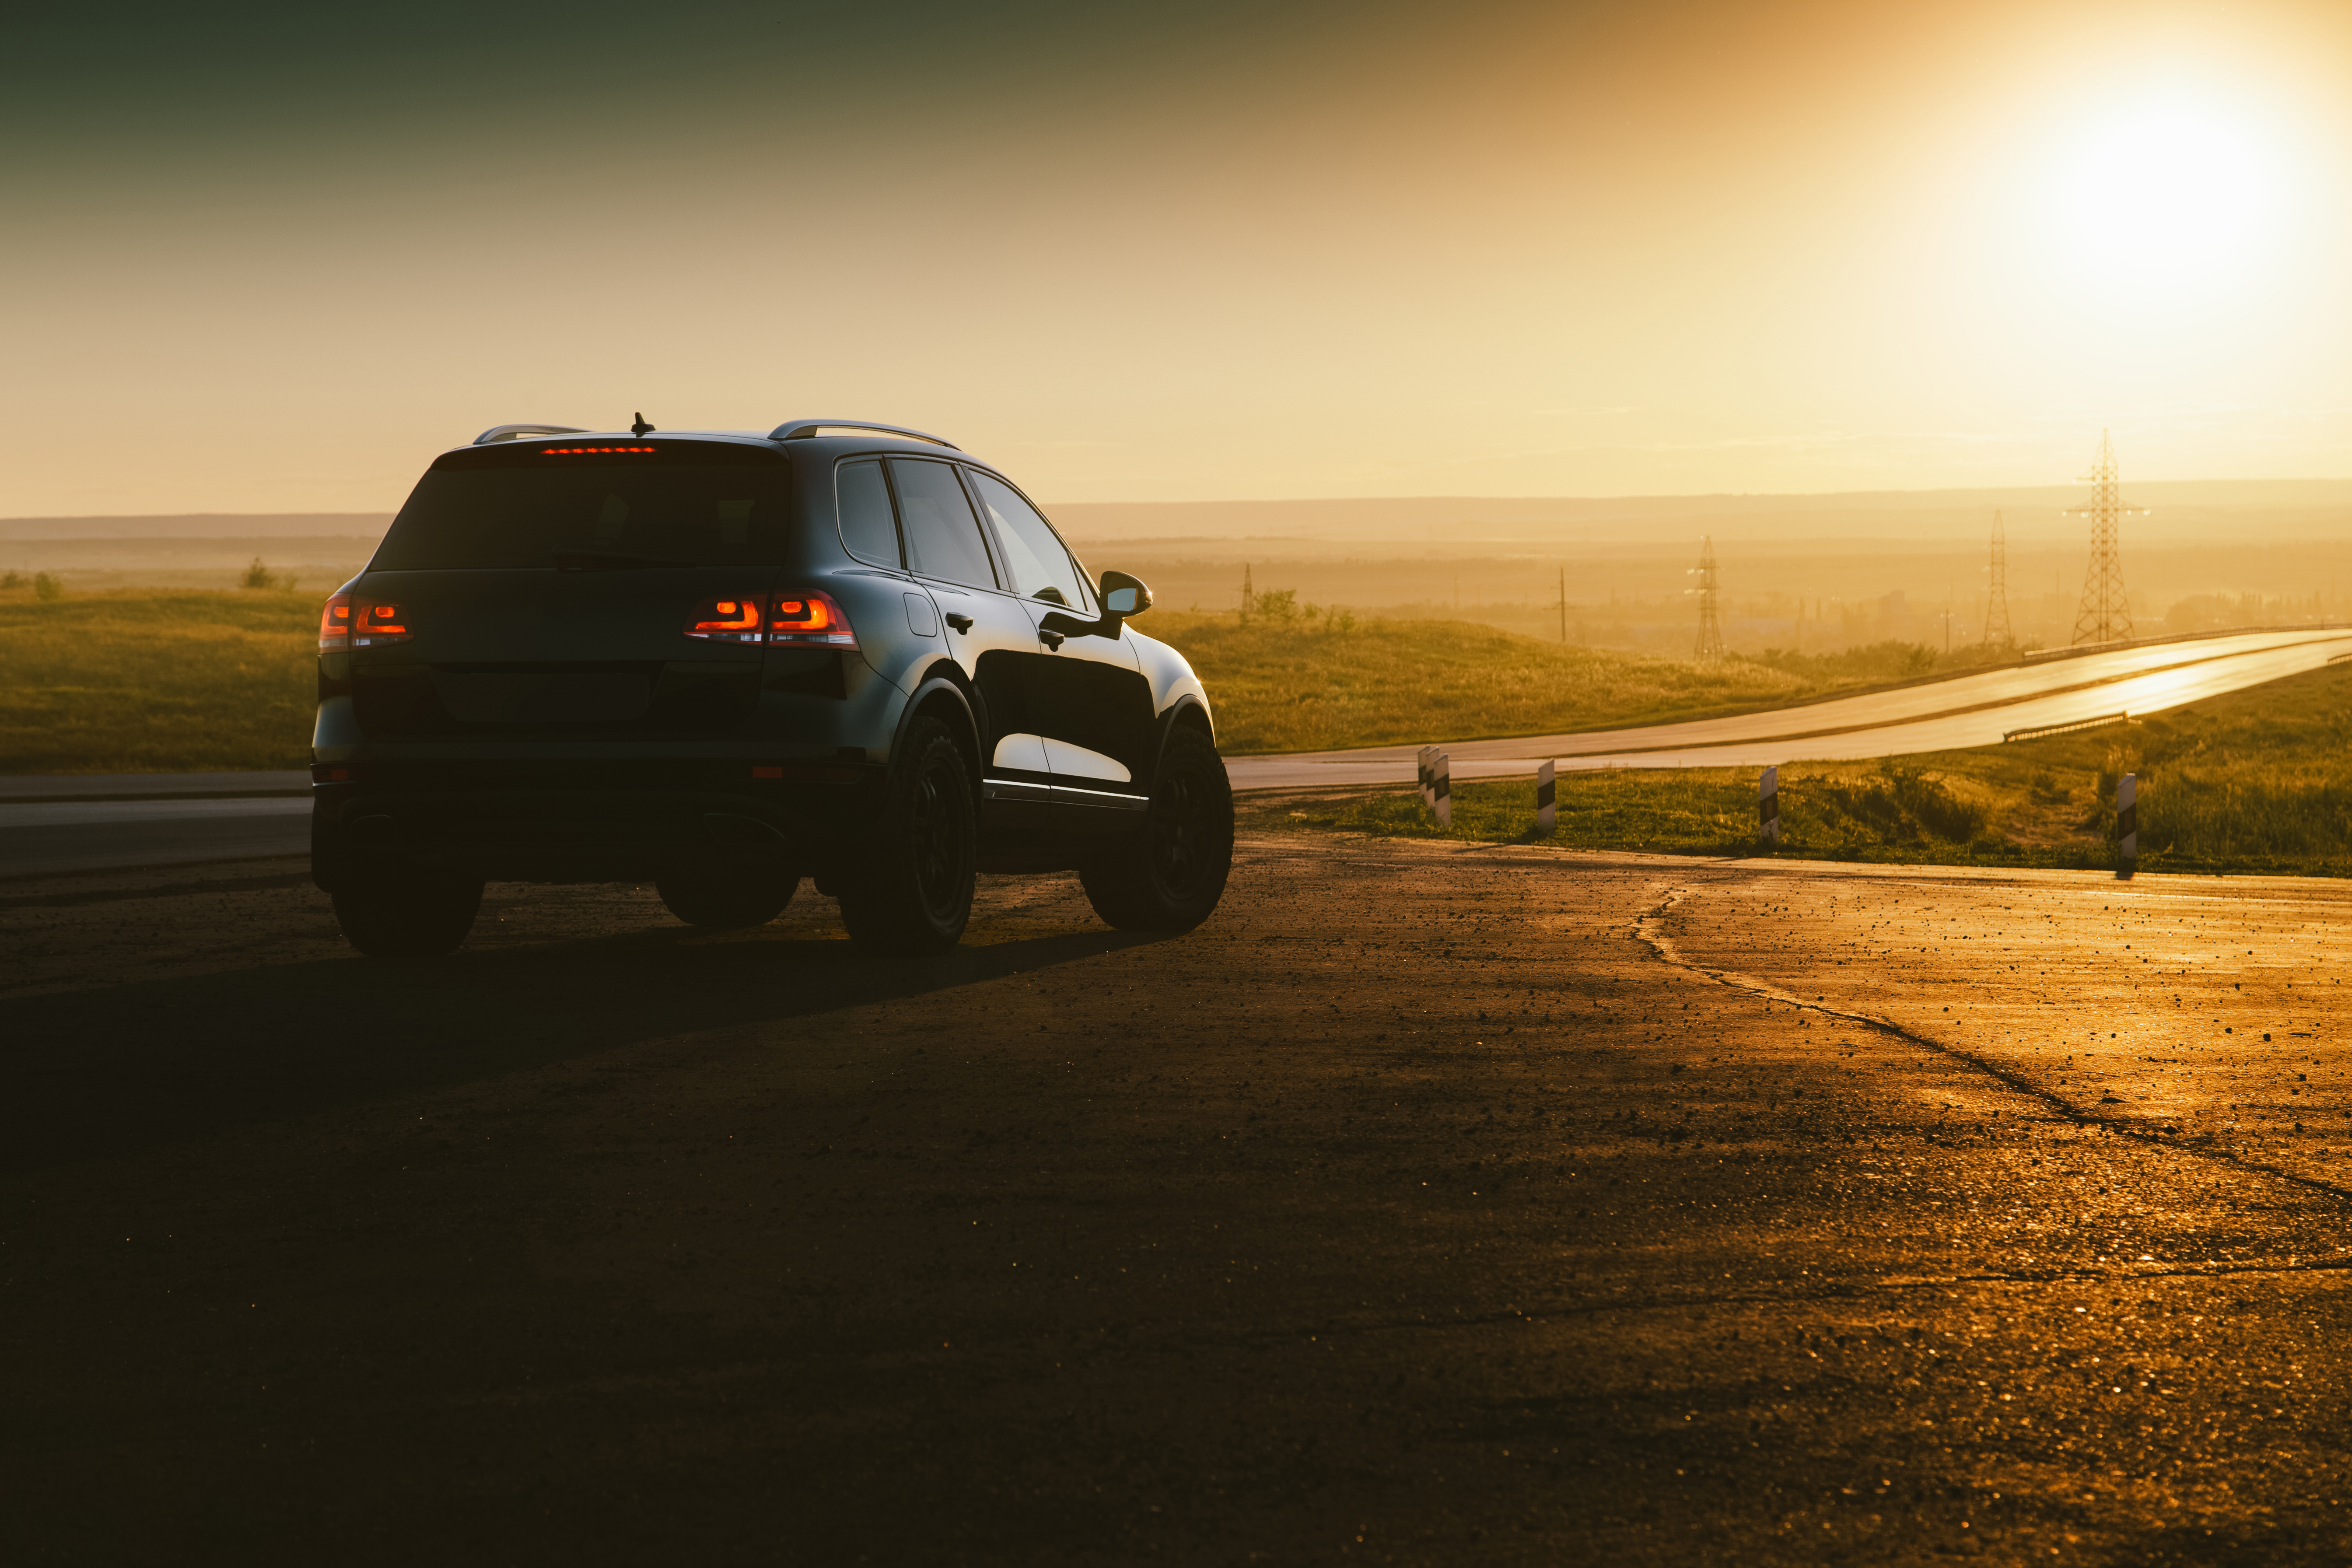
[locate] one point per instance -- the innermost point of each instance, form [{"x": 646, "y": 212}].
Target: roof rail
[
  {"x": 801, "y": 430},
  {"x": 496, "y": 432}
]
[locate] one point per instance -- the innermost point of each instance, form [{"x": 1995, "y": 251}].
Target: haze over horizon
[{"x": 271, "y": 260}]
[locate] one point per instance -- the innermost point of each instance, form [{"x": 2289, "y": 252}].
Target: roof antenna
[{"x": 641, "y": 427}]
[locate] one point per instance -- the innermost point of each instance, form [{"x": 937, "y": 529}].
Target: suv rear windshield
[{"x": 611, "y": 503}]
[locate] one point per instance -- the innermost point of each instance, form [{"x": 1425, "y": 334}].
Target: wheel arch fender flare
[
  {"x": 1186, "y": 711},
  {"x": 941, "y": 695}
]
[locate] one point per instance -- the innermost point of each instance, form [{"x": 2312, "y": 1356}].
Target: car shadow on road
[{"x": 99, "y": 1074}]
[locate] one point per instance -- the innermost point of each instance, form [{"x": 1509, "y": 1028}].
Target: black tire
[
  {"x": 910, "y": 892},
  {"x": 1170, "y": 876},
  {"x": 406, "y": 914},
  {"x": 727, "y": 900}
]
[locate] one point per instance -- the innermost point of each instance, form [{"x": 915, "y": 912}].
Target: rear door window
[
  {"x": 867, "y": 529},
  {"x": 943, "y": 536},
  {"x": 1040, "y": 562}
]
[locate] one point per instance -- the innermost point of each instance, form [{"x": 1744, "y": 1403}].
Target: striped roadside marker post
[
  {"x": 1441, "y": 786},
  {"x": 1545, "y": 814},
  {"x": 1768, "y": 807},
  {"x": 2128, "y": 824},
  {"x": 1421, "y": 765}
]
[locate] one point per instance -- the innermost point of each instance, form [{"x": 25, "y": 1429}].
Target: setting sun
[{"x": 2168, "y": 198}]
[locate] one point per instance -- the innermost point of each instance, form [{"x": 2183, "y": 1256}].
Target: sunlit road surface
[
  {"x": 1431, "y": 1204},
  {"x": 1945, "y": 715}
]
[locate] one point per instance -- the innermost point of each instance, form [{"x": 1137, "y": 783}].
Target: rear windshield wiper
[{"x": 608, "y": 560}]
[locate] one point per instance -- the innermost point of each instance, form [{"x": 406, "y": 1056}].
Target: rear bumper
[{"x": 520, "y": 828}]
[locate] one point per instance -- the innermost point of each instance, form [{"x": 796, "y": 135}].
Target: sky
[{"x": 262, "y": 259}]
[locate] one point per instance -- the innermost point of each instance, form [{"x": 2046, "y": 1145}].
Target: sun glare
[{"x": 2169, "y": 201}]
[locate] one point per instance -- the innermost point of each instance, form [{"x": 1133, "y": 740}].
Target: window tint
[
  {"x": 1041, "y": 567},
  {"x": 943, "y": 536},
  {"x": 867, "y": 528},
  {"x": 683, "y": 503}
]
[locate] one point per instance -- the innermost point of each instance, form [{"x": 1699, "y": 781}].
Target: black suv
[{"x": 719, "y": 662}]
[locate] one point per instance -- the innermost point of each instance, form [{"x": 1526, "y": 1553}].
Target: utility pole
[
  {"x": 1248, "y": 598},
  {"x": 1997, "y": 589},
  {"x": 1710, "y": 632},
  {"x": 2104, "y": 617}
]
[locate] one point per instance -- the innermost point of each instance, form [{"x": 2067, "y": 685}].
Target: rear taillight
[
  {"x": 335, "y": 624},
  {"x": 801, "y": 620},
  {"x": 728, "y": 620},
  {"x": 809, "y": 619},
  {"x": 377, "y": 624}
]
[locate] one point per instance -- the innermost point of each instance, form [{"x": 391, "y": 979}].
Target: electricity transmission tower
[
  {"x": 1710, "y": 634},
  {"x": 1997, "y": 590},
  {"x": 2104, "y": 617}
]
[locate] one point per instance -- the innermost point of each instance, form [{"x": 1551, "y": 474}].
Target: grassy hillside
[
  {"x": 2257, "y": 781},
  {"x": 152, "y": 680},
  {"x": 1307, "y": 685}
]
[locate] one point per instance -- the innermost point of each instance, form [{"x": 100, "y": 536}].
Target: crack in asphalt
[{"x": 1648, "y": 928}]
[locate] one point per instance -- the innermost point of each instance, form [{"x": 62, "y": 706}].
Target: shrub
[
  {"x": 1279, "y": 605},
  {"x": 46, "y": 586},
  {"x": 1906, "y": 806}
]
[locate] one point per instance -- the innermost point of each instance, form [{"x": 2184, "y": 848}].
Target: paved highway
[
  {"x": 1944, "y": 715},
  {"x": 91, "y": 822},
  {"x": 58, "y": 824}
]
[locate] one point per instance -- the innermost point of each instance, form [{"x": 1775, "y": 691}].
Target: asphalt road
[
  {"x": 70, "y": 822},
  {"x": 1430, "y": 1205}
]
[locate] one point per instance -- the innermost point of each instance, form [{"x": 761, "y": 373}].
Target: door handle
[
  {"x": 1051, "y": 639},
  {"x": 960, "y": 623}
]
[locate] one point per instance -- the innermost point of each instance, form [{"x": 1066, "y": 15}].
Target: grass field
[
  {"x": 149, "y": 681},
  {"x": 2258, "y": 780},
  {"x": 145, "y": 680},
  {"x": 1302, "y": 686},
  {"x": 159, "y": 681}
]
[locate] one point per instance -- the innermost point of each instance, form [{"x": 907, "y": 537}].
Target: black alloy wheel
[
  {"x": 911, "y": 893},
  {"x": 1170, "y": 876},
  {"x": 399, "y": 912},
  {"x": 1182, "y": 833},
  {"x": 730, "y": 899},
  {"x": 939, "y": 829}
]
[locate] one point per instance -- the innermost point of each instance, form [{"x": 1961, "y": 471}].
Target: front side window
[
  {"x": 867, "y": 529},
  {"x": 943, "y": 536},
  {"x": 1041, "y": 566}
]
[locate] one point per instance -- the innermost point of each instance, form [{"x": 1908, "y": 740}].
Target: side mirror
[{"x": 1123, "y": 595}]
